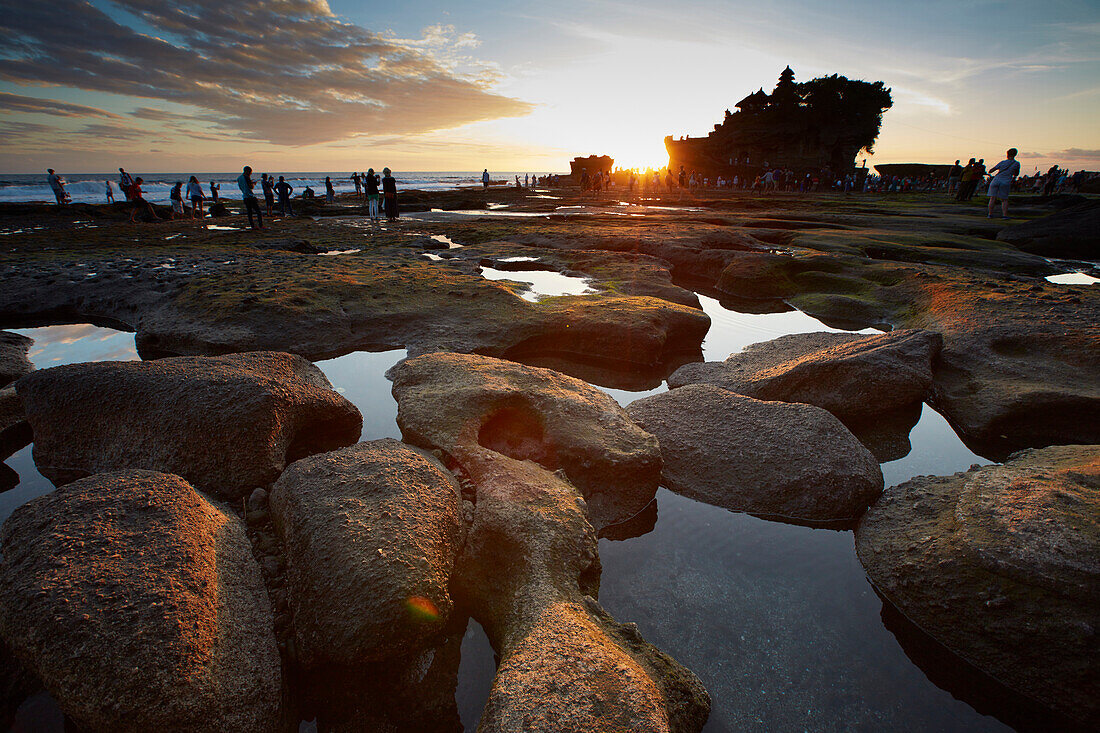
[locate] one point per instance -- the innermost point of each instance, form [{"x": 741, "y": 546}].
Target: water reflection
[
  {"x": 540, "y": 282},
  {"x": 361, "y": 377},
  {"x": 1073, "y": 278},
  {"x": 777, "y": 620}
]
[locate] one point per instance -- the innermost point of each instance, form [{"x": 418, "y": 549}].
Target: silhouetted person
[
  {"x": 194, "y": 192},
  {"x": 124, "y": 183},
  {"x": 485, "y": 179},
  {"x": 110, "y": 193},
  {"x": 389, "y": 194},
  {"x": 372, "y": 194},
  {"x": 214, "y": 190},
  {"x": 330, "y": 192},
  {"x": 176, "y": 199},
  {"x": 1001, "y": 184},
  {"x": 246, "y": 184},
  {"x": 138, "y": 197},
  {"x": 284, "y": 190},
  {"x": 267, "y": 183},
  {"x": 57, "y": 184}
]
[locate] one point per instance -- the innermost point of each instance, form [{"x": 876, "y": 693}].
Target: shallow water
[
  {"x": 1073, "y": 278},
  {"x": 778, "y": 620},
  {"x": 541, "y": 283}
]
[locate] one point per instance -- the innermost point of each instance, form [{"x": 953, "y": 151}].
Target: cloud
[
  {"x": 1067, "y": 154},
  {"x": 34, "y": 105},
  {"x": 287, "y": 72}
]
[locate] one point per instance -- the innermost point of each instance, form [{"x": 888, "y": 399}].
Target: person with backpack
[
  {"x": 124, "y": 183},
  {"x": 176, "y": 197}
]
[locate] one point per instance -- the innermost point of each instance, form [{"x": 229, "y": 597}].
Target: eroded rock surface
[
  {"x": 226, "y": 424},
  {"x": 1073, "y": 233},
  {"x": 792, "y": 461},
  {"x": 14, "y": 430},
  {"x": 139, "y": 605},
  {"x": 853, "y": 376},
  {"x": 371, "y": 533},
  {"x": 14, "y": 361},
  {"x": 448, "y": 401},
  {"x": 529, "y": 564},
  {"x": 1002, "y": 565}
]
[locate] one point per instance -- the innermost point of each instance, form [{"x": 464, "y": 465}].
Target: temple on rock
[{"x": 806, "y": 127}]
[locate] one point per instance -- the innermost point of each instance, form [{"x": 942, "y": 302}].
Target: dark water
[{"x": 777, "y": 620}]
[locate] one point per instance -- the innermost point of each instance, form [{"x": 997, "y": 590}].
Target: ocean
[{"x": 88, "y": 188}]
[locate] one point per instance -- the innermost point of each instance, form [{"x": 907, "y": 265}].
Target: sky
[{"x": 423, "y": 85}]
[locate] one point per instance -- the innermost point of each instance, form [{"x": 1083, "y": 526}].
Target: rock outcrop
[
  {"x": 1002, "y": 565},
  {"x": 371, "y": 533},
  {"x": 1072, "y": 233},
  {"x": 14, "y": 361},
  {"x": 227, "y": 424},
  {"x": 447, "y": 401},
  {"x": 138, "y": 604},
  {"x": 14, "y": 430},
  {"x": 790, "y": 461},
  {"x": 527, "y": 573},
  {"x": 855, "y": 377}
]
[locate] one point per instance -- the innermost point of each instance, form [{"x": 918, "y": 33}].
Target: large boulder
[
  {"x": 227, "y": 424},
  {"x": 371, "y": 533},
  {"x": 1072, "y": 233},
  {"x": 528, "y": 574},
  {"x": 138, "y": 604},
  {"x": 853, "y": 376},
  {"x": 529, "y": 413},
  {"x": 14, "y": 361},
  {"x": 1001, "y": 564},
  {"x": 15, "y": 433},
  {"x": 786, "y": 460}
]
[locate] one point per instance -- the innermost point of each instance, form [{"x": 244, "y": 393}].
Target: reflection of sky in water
[
  {"x": 540, "y": 282},
  {"x": 361, "y": 378},
  {"x": 937, "y": 450},
  {"x": 730, "y": 331},
  {"x": 778, "y": 621},
  {"x": 79, "y": 342},
  {"x": 55, "y": 346},
  {"x": 1073, "y": 278}
]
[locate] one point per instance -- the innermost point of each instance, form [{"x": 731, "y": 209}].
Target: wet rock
[
  {"x": 138, "y": 604},
  {"x": 451, "y": 400},
  {"x": 779, "y": 459},
  {"x": 257, "y": 500},
  {"x": 529, "y": 560},
  {"x": 15, "y": 432},
  {"x": 226, "y": 424},
  {"x": 1001, "y": 564},
  {"x": 14, "y": 361},
  {"x": 1072, "y": 233},
  {"x": 855, "y": 377},
  {"x": 371, "y": 533}
]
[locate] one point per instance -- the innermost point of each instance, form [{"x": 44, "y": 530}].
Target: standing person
[
  {"x": 284, "y": 190},
  {"x": 194, "y": 192},
  {"x": 372, "y": 194},
  {"x": 267, "y": 183},
  {"x": 330, "y": 192},
  {"x": 354, "y": 179},
  {"x": 139, "y": 200},
  {"x": 953, "y": 177},
  {"x": 176, "y": 197},
  {"x": 485, "y": 179},
  {"x": 246, "y": 184},
  {"x": 1001, "y": 185},
  {"x": 214, "y": 189},
  {"x": 110, "y": 193},
  {"x": 526, "y": 181},
  {"x": 124, "y": 183},
  {"x": 964, "y": 180},
  {"x": 979, "y": 176},
  {"x": 57, "y": 184},
  {"x": 389, "y": 194}
]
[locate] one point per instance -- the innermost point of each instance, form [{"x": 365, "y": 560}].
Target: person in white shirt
[
  {"x": 57, "y": 184},
  {"x": 1001, "y": 184}
]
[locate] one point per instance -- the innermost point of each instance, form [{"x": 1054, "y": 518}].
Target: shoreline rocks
[
  {"x": 777, "y": 459},
  {"x": 14, "y": 359},
  {"x": 1001, "y": 564},
  {"x": 226, "y": 424},
  {"x": 527, "y": 574},
  {"x": 138, "y": 604},
  {"x": 447, "y": 401},
  {"x": 370, "y": 533},
  {"x": 855, "y": 377}
]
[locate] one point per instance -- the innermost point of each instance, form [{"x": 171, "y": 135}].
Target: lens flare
[{"x": 423, "y": 609}]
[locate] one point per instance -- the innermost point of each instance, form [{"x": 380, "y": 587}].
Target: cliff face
[{"x": 811, "y": 126}]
